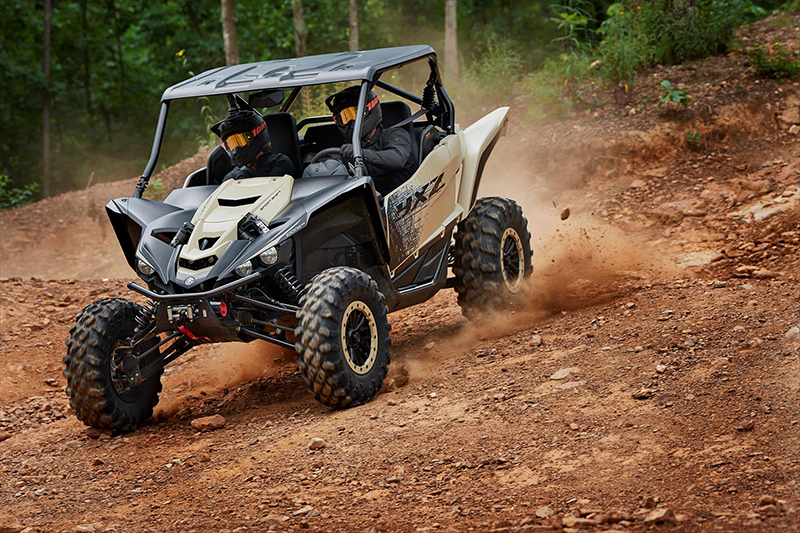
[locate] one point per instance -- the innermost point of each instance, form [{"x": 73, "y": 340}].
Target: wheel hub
[
  {"x": 359, "y": 337},
  {"x": 512, "y": 260}
]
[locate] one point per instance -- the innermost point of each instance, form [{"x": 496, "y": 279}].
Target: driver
[
  {"x": 388, "y": 154},
  {"x": 244, "y": 136}
]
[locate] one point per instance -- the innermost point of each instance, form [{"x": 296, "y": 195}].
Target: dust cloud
[{"x": 212, "y": 368}]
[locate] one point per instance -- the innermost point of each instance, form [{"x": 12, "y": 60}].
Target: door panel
[{"x": 419, "y": 210}]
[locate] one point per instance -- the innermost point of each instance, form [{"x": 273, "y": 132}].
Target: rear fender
[{"x": 479, "y": 141}]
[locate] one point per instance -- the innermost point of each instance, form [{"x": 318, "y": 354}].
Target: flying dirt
[{"x": 649, "y": 379}]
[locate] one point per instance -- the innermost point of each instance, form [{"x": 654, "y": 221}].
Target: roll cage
[{"x": 365, "y": 67}]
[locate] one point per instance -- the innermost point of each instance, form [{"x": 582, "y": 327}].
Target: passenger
[
  {"x": 244, "y": 136},
  {"x": 388, "y": 154}
]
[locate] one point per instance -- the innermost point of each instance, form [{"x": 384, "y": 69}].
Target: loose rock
[
  {"x": 316, "y": 444},
  {"x": 660, "y": 516},
  {"x": 209, "y": 423},
  {"x": 643, "y": 394},
  {"x": 767, "y": 500},
  {"x": 544, "y": 512},
  {"x": 563, "y": 373},
  {"x": 536, "y": 340}
]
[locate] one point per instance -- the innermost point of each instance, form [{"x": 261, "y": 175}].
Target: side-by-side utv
[{"x": 313, "y": 260}]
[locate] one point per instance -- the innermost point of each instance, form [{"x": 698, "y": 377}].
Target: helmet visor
[
  {"x": 345, "y": 115},
  {"x": 238, "y": 140}
]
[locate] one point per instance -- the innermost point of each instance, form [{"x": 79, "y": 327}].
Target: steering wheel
[{"x": 328, "y": 153}]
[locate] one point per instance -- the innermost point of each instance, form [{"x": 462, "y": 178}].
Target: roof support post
[
  {"x": 154, "y": 152},
  {"x": 359, "y": 159}
]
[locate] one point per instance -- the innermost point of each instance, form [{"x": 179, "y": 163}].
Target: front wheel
[
  {"x": 343, "y": 337},
  {"x": 492, "y": 256},
  {"x": 95, "y": 385}
]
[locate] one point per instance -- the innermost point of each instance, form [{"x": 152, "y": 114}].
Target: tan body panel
[
  {"x": 213, "y": 220},
  {"x": 421, "y": 208},
  {"x": 477, "y": 139}
]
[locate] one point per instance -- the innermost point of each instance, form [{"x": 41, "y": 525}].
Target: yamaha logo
[{"x": 189, "y": 280}]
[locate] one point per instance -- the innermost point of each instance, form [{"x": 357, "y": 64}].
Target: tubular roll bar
[
  {"x": 362, "y": 103},
  {"x": 399, "y": 92},
  {"x": 444, "y": 98},
  {"x": 155, "y": 151}
]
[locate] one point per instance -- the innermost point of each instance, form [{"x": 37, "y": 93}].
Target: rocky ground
[{"x": 652, "y": 381}]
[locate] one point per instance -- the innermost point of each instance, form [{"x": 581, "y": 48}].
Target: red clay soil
[{"x": 651, "y": 381}]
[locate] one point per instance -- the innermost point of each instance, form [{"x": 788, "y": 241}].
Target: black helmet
[
  {"x": 244, "y": 135},
  {"x": 344, "y": 104}
]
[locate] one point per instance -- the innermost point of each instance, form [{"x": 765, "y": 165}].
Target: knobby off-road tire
[
  {"x": 90, "y": 348},
  {"x": 343, "y": 337},
  {"x": 492, "y": 256}
]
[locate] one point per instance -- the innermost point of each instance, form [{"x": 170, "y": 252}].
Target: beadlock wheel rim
[
  {"x": 359, "y": 337},
  {"x": 512, "y": 260}
]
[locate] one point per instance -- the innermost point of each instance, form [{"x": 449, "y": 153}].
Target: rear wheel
[
  {"x": 96, "y": 385},
  {"x": 343, "y": 337},
  {"x": 492, "y": 255}
]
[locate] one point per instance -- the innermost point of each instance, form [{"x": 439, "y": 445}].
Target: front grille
[{"x": 199, "y": 264}]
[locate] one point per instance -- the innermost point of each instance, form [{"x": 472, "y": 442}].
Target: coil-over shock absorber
[
  {"x": 146, "y": 315},
  {"x": 429, "y": 97},
  {"x": 289, "y": 283}
]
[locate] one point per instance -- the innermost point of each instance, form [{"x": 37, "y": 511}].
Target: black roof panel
[{"x": 309, "y": 70}]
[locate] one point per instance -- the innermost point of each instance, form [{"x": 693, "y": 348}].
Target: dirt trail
[{"x": 652, "y": 380}]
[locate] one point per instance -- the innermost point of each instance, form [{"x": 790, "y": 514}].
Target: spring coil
[
  {"x": 289, "y": 283},
  {"x": 146, "y": 314},
  {"x": 429, "y": 97}
]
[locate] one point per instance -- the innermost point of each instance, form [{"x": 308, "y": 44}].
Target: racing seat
[
  {"x": 218, "y": 164},
  {"x": 428, "y": 139},
  {"x": 395, "y": 112},
  {"x": 282, "y": 130}
]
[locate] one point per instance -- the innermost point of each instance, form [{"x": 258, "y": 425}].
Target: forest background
[{"x": 82, "y": 78}]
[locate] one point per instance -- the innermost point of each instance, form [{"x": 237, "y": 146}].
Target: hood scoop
[{"x": 237, "y": 202}]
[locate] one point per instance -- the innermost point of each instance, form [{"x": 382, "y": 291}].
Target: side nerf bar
[{"x": 189, "y": 296}]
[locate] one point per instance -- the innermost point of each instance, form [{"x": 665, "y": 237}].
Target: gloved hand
[
  {"x": 346, "y": 151},
  {"x": 240, "y": 173}
]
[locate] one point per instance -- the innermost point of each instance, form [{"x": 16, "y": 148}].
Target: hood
[{"x": 216, "y": 220}]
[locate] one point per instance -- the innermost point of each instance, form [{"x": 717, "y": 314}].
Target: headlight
[
  {"x": 269, "y": 256},
  {"x": 144, "y": 268},
  {"x": 244, "y": 269}
]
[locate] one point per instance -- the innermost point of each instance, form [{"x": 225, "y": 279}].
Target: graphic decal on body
[{"x": 407, "y": 214}]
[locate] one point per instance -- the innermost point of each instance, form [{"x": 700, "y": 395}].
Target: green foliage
[
  {"x": 573, "y": 18},
  {"x": 673, "y": 94},
  {"x": 496, "y": 71},
  {"x": 154, "y": 189},
  {"x": 562, "y": 85},
  {"x": 15, "y": 196},
  {"x": 695, "y": 140},
  {"x": 209, "y": 119},
  {"x": 636, "y": 34},
  {"x": 776, "y": 64},
  {"x": 624, "y": 47}
]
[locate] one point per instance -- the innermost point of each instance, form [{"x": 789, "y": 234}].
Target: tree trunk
[
  {"x": 229, "y": 32},
  {"x": 112, "y": 6},
  {"x": 353, "y": 25},
  {"x": 450, "y": 40},
  {"x": 87, "y": 73},
  {"x": 299, "y": 28},
  {"x": 46, "y": 102}
]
